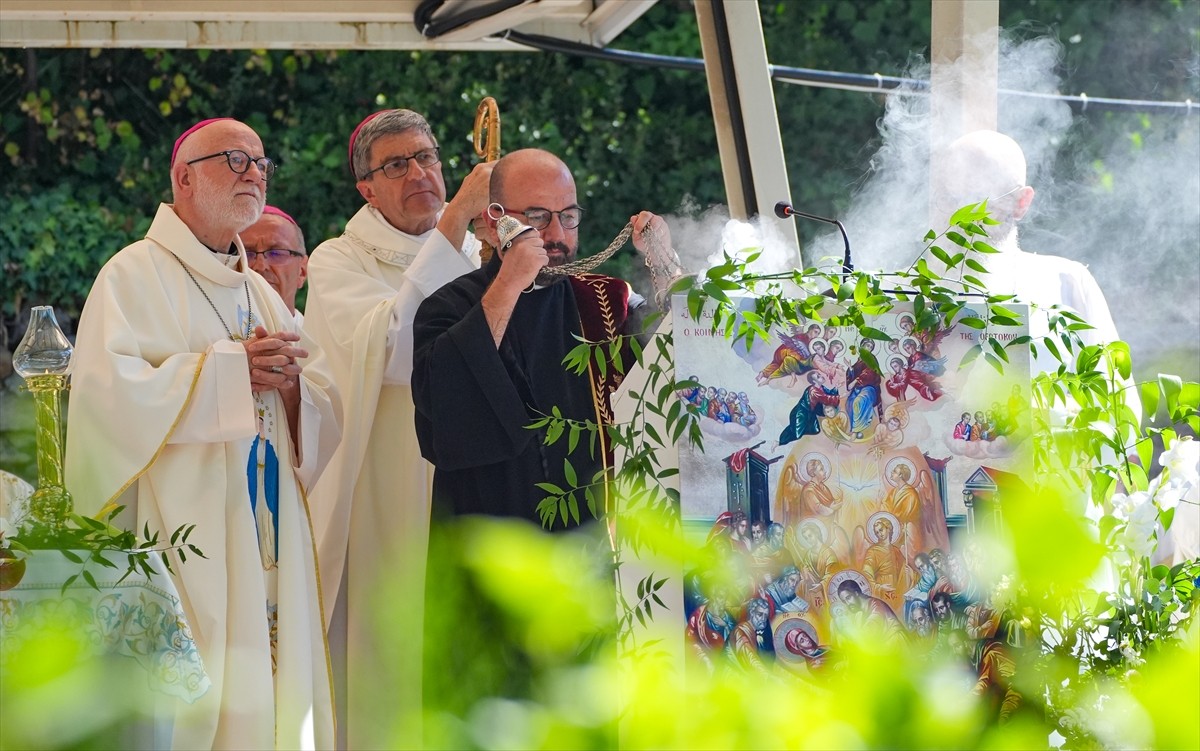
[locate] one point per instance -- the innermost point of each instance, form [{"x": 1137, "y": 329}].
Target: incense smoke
[{"x": 1130, "y": 212}]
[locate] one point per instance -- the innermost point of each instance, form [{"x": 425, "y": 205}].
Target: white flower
[
  {"x": 1182, "y": 460},
  {"x": 1140, "y": 514},
  {"x": 1126, "y": 506},
  {"x": 1132, "y": 658},
  {"x": 1138, "y": 542},
  {"x": 1170, "y": 495},
  {"x": 7, "y": 530}
]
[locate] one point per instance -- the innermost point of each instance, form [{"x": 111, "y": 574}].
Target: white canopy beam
[
  {"x": 743, "y": 102},
  {"x": 964, "y": 57},
  {"x": 298, "y": 24}
]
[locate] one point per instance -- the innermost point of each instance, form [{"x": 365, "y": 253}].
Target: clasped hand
[{"x": 272, "y": 359}]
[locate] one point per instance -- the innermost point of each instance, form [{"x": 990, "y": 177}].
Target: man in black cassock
[
  {"x": 488, "y": 350},
  {"x": 487, "y": 362}
]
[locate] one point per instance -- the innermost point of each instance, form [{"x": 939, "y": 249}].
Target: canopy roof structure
[{"x": 310, "y": 24}]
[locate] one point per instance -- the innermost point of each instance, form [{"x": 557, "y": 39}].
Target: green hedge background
[{"x": 87, "y": 133}]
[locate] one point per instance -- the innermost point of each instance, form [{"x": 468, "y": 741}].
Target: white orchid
[
  {"x": 1170, "y": 494},
  {"x": 1125, "y": 507},
  {"x": 1128, "y": 650},
  {"x": 1182, "y": 460},
  {"x": 1136, "y": 538}
]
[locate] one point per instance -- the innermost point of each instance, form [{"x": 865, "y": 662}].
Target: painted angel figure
[
  {"x": 920, "y": 360},
  {"x": 793, "y": 357},
  {"x": 879, "y": 558},
  {"x": 803, "y": 492},
  {"x": 929, "y": 340},
  {"x": 897, "y": 382},
  {"x": 914, "y": 369}
]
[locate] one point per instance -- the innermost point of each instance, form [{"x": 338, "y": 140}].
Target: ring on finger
[{"x": 276, "y": 368}]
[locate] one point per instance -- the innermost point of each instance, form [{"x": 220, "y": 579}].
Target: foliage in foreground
[{"x": 538, "y": 657}]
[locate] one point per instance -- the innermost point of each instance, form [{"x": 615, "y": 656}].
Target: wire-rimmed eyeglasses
[
  {"x": 397, "y": 167},
  {"x": 274, "y": 256},
  {"x": 239, "y": 161}
]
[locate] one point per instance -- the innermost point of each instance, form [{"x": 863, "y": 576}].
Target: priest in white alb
[
  {"x": 188, "y": 406},
  {"x": 986, "y": 165},
  {"x": 372, "y": 506}
]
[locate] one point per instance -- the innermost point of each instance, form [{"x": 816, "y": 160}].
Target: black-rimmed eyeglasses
[
  {"x": 239, "y": 161},
  {"x": 398, "y": 166},
  {"x": 539, "y": 218},
  {"x": 274, "y": 256}
]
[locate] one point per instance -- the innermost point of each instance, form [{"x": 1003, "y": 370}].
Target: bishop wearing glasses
[
  {"x": 372, "y": 508},
  {"x": 189, "y": 407},
  {"x": 275, "y": 247}
]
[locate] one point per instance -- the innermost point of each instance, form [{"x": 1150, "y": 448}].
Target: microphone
[{"x": 784, "y": 210}]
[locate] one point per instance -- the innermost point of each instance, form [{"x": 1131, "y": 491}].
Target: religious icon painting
[{"x": 837, "y": 487}]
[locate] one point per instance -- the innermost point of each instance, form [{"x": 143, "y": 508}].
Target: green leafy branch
[
  {"x": 641, "y": 481},
  {"x": 641, "y": 610},
  {"x": 791, "y": 299},
  {"x": 562, "y": 504},
  {"x": 86, "y": 540}
]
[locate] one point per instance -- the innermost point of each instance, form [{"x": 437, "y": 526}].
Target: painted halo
[
  {"x": 895, "y": 462},
  {"x": 897, "y": 359},
  {"x": 883, "y": 515},
  {"x": 906, "y": 317},
  {"x": 786, "y": 627},
  {"x": 802, "y": 466},
  {"x": 816, "y": 524},
  {"x": 906, "y": 339},
  {"x": 841, "y": 576}
]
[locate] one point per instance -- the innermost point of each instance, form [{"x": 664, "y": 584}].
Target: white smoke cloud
[
  {"x": 703, "y": 237},
  {"x": 1131, "y": 212}
]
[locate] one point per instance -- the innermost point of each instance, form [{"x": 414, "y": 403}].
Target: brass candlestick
[{"x": 43, "y": 359}]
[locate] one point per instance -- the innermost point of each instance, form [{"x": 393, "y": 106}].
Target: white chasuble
[
  {"x": 371, "y": 507},
  {"x": 1044, "y": 281},
  {"x": 162, "y": 420}
]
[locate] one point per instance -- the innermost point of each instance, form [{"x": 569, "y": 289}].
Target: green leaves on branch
[{"x": 90, "y": 541}]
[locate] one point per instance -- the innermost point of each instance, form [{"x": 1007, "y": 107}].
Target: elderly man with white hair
[
  {"x": 986, "y": 165},
  {"x": 188, "y": 406}
]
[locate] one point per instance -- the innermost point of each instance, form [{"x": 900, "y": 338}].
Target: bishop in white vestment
[
  {"x": 372, "y": 506},
  {"x": 180, "y": 411}
]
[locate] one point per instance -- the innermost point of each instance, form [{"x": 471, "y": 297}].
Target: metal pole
[{"x": 744, "y": 114}]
